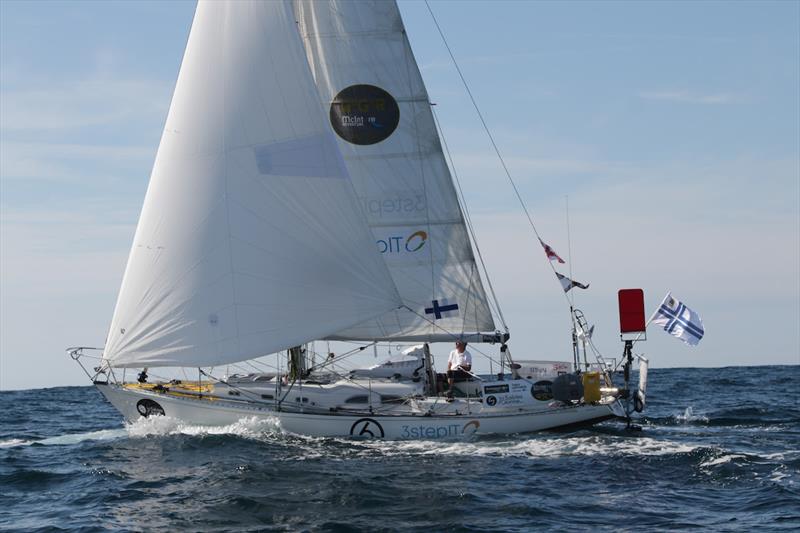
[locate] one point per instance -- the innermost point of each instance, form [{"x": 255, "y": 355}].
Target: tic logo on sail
[
  {"x": 364, "y": 114},
  {"x": 399, "y": 244}
]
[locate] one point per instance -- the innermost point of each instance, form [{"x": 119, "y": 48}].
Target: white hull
[{"x": 464, "y": 418}]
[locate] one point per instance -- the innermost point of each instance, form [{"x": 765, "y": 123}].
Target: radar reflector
[{"x": 632, "y": 322}]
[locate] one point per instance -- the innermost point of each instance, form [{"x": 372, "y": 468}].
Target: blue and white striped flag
[{"x": 679, "y": 321}]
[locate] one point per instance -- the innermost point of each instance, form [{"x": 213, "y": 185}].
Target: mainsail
[
  {"x": 251, "y": 238},
  {"x": 378, "y": 106}
]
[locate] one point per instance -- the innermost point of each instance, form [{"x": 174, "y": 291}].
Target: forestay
[
  {"x": 378, "y": 107},
  {"x": 251, "y": 238}
]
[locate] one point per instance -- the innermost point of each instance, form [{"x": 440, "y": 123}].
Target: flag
[
  {"x": 550, "y": 253},
  {"x": 679, "y": 321},
  {"x": 569, "y": 283}
]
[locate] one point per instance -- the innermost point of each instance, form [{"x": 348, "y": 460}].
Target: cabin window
[
  {"x": 234, "y": 393},
  {"x": 362, "y": 398},
  {"x": 299, "y": 399},
  {"x": 268, "y": 396}
]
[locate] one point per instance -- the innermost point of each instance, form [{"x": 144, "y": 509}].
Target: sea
[{"x": 718, "y": 450}]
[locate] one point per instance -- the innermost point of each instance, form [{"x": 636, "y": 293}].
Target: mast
[{"x": 297, "y": 362}]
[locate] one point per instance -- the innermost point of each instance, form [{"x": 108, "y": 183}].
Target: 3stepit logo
[{"x": 397, "y": 245}]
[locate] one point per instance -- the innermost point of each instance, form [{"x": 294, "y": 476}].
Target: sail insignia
[{"x": 364, "y": 114}]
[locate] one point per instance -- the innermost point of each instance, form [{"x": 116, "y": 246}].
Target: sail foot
[{"x": 482, "y": 338}]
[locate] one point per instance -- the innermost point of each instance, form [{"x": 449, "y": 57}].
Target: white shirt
[{"x": 459, "y": 359}]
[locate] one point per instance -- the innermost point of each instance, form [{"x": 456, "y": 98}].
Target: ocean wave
[{"x": 66, "y": 439}]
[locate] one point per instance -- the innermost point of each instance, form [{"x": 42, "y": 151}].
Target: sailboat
[{"x": 300, "y": 193}]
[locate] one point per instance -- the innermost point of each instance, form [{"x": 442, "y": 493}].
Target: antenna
[{"x": 571, "y": 297}]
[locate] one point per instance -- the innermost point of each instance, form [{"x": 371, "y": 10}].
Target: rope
[{"x": 489, "y": 134}]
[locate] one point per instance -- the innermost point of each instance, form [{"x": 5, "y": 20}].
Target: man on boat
[{"x": 458, "y": 365}]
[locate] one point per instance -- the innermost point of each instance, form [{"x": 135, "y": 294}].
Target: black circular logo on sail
[
  {"x": 366, "y": 427},
  {"x": 364, "y": 114}
]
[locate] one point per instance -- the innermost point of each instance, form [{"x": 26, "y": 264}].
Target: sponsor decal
[
  {"x": 510, "y": 399},
  {"x": 495, "y": 389},
  {"x": 395, "y": 245},
  {"x": 366, "y": 427},
  {"x": 401, "y": 205},
  {"x": 505, "y": 400},
  {"x": 148, "y": 407},
  {"x": 439, "y": 432},
  {"x": 364, "y": 114},
  {"x": 471, "y": 427}
]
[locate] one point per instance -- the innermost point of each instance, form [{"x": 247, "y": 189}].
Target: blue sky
[{"x": 673, "y": 128}]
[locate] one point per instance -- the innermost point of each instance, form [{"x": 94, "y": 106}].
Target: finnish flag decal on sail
[
  {"x": 679, "y": 321},
  {"x": 442, "y": 308}
]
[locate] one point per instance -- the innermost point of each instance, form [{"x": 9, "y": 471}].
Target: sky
[{"x": 671, "y": 129}]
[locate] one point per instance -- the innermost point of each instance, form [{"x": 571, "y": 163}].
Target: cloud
[
  {"x": 70, "y": 162},
  {"x": 689, "y": 97},
  {"x": 82, "y": 103},
  {"x": 58, "y": 281}
]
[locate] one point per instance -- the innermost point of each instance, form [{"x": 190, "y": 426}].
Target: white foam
[
  {"x": 788, "y": 455},
  {"x": 14, "y": 442},
  {"x": 537, "y": 447},
  {"x": 779, "y": 474},
  {"x": 727, "y": 458},
  {"x": 689, "y": 416},
  {"x": 250, "y": 427}
]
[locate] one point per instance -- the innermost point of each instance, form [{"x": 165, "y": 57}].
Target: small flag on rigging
[
  {"x": 550, "y": 253},
  {"x": 679, "y": 321},
  {"x": 567, "y": 283}
]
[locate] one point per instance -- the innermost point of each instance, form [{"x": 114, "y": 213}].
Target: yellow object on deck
[
  {"x": 591, "y": 387},
  {"x": 175, "y": 387}
]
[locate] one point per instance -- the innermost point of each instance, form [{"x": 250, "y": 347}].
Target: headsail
[
  {"x": 251, "y": 238},
  {"x": 378, "y": 106}
]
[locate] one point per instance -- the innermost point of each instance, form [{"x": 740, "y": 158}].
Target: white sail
[
  {"x": 368, "y": 78},
  {"x": 251, "y": 238}
]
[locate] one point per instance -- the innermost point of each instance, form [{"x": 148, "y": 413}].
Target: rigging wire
[
  {"x": 569, "y": 251},
  {"x": 491, "y": 137}
]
